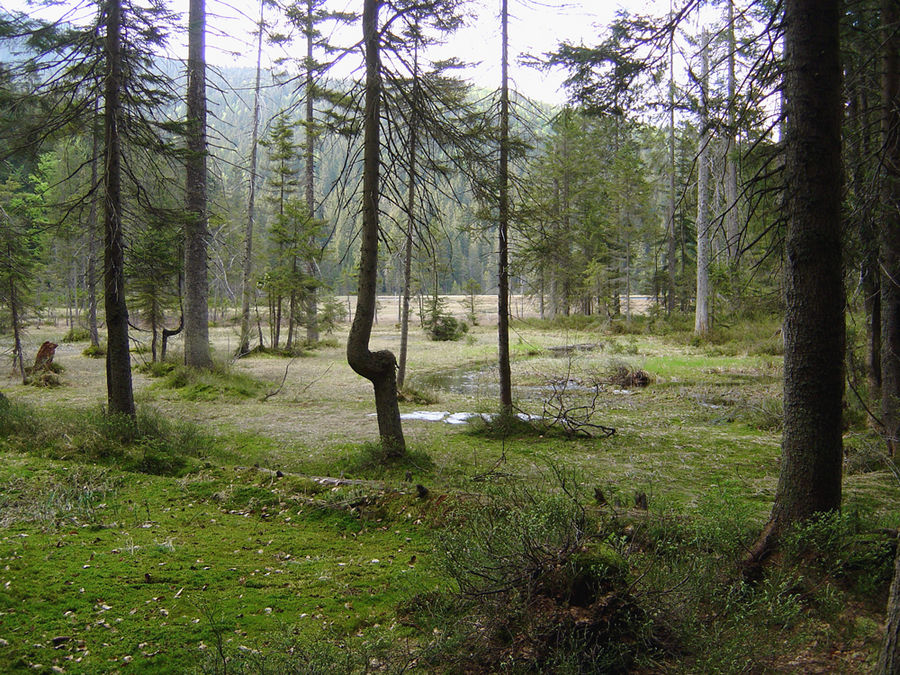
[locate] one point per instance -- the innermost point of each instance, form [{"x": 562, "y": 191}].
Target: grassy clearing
[{"x": 205, "y": 539}]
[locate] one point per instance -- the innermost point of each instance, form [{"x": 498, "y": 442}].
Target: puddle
[
  {"x": 467, "y": 381},
  {"x": 453, "y": 418},
  {"x": 568, "y": 350}
]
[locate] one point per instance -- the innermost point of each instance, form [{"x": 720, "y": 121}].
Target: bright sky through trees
[{"x": 536, "y": 27}]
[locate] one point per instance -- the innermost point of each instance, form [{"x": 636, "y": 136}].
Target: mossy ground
[{"x": 120, "y": 570}]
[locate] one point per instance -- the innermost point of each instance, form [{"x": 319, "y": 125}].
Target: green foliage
[
  {"x": 331, "y": 313},
  {"x": 76, "y": 334},
  {"x": 22, "y": 239},
  {"x": 841, "y": 545},
  {"x": 193, "y": 384},
  {"x": 153, "y": 266},
  {"x": 376, "y": 461},
  {"x": 95, "y": 351},
  {"x": 542, "y": 585},
  {"x": 439, "y": 324},
  {"x": 148, "y": 444}
]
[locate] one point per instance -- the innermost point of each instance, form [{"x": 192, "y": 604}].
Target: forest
[{"x": 353, "y": 362}]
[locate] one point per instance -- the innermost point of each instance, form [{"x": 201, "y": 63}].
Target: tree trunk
[
  {"x": 92, "y": 246},
  {"x": 410, "y": 223},
  {"x": 701, "y": 316},
  {"x": 670, "y": 214},
  {"x": 732, "y": 223},
  {"x": 14, "y": 318},
  {"x": 247, "y": 268},
  {"x": 810, "y": 478},
  {"x": 889, "y": 661},
  {"x": 120, "y": 395},
  {"x": 312, "y": 269},
  {"x": 196, "y": 284},
  {"x": 503, "y": 218},
  {"x": 890, "y": 228},
  {"x": 380, "y": 368}
]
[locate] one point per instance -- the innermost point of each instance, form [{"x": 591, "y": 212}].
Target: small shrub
[
  {"x": 766, "y": 414},
  {"x": 376, "y": 461},
  {"x": 837, "y": 545},
  {"x": 864, "y": 453},
  {"x": 148, "y": 443},
  {"x": 622, "y": 375},
  {"x": 446, "y": 328},
  {"x": 198, "y": 384},
  {"x": 541, "y": 587},
  {"x": 95, "y": 351},
  {"x": 45, "y": 377},
  {"x": 417, "y": 396},
  {"x": 440, "y": 325},
  {"x": 331, "y": 313},
  {"x": 76, "y": 334}
]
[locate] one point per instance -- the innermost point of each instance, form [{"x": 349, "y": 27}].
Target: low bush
[
  {"x": 94, "y": 351},
  {"x": 543, "y": 587},
  {"x": 76, "y": 334},
  {"x": 148, "y": 443},
  {"x": 201, "y": 384}
]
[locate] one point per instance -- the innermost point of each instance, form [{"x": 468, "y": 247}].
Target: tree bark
[
  {"x": 312, "y": 268},
  {"x": 890, "y": 228},
  {"x": 670, "y": 213},
  {"x": 380, "y": 368},
  {"x": 196, "y": 284},
  {"x": 17, "y": 328},
  {"x": 247, "y": 268},
  {"x": 701, "y": 315},
  {"x": 410, "y": 221},
  {"x": 92, "y": 233},
  {"x": 732, "y": 223},
  {"x": 810, "y": 478},
  {"x": 889, "y": 661},
  {"x": 503, "y": 221},
  {"x": 120, "y": 395}
]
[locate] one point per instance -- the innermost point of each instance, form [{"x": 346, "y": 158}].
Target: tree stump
[{"x": 44, "y": 358}]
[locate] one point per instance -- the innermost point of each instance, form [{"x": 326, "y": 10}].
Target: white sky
[{"x": 536, "y": 27}]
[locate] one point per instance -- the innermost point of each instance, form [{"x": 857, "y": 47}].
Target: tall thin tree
[
  {"x": 732, "y": 228},
  {"x": 247, "y": 266},
  {"x": 701, "y": 313},
  {"x": 506, "y": 401},
  {"x": 120, "y": 393},
  {"x": 670, "y": 211},
  {"x": 196, "y": 284}
]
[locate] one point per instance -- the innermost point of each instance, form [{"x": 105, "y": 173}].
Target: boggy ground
[{"x": 233, "y": 563}]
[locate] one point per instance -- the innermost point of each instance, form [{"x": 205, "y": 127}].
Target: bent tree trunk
[
  {"x": 810, "y": 479},
  {"x": 380, "y": 368}
]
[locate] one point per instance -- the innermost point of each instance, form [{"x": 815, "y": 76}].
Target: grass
[{"x": 204, "y": 538}]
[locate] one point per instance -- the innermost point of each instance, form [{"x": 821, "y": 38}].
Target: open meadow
[{"x": 250, "y": 525}]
